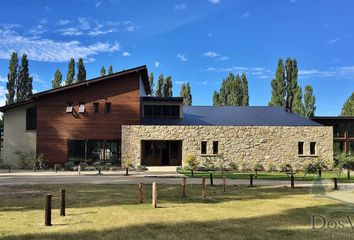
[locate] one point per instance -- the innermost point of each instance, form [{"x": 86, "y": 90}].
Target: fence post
[
  {"x": 184, "y": 181},
  {"x": 335, "y": 183},
  {"x": 62, "y": 202},
  {"x": 154, "y": 195},
  {"x": 211, "y": 179},
  {"x": 348, "y": 173},
  {"x": 203, "y": 188},
  {"x": 320, "y": 173},
  {"x": 292, "y": 181},
  {"x": 141, "y": 192},
  {"x": 55, "y": 168},
  {"x": 251, "y": 180},
  {"x": 224, "y": 183},
  {"x": 9, "y": 168},
  {"x": 48, "y": 210}
]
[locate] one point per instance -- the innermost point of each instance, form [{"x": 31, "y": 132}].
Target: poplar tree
[
  {"x": 186, "y": 94},
  {"x": 24, "y": 81},
  {"x": 159, "y": 86},
  {"x": 167, "y": 87},
  {"x": 110, "y": 70},
  {"x": 81, "y": 71},
  {"x": 245, "y": 96},
  {"x": 348, "y": 107},
  {"x": 298, "y": 105},
  {"x": 278, "y": 86},
  {"x": 56, "y": 82},
  {"x": 12, "y": 79},
  {"x": 233, "y": 91},
  {"x": 151, "y": 83},
  {"x": 291, "y": 79},
  {"x": 309, "y": 102},
  {"x": 103, "y": 71},
  {"x": 71, "y": 72},
  {"x": 216, "y": 99}
]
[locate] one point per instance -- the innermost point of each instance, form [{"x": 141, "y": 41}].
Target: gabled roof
[
  {"x": 234, "y": 116},
  {"x": 141, "y": 69}
]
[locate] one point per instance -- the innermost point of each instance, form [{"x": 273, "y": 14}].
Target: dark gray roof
[{"x": 234, "y": 116}]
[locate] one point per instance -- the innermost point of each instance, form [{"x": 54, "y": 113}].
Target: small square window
[
  {"x": 69, "y": 107},
  {"x": 300, "y": 148},
  {"x": 204, "y": 147},
  {"x": 96, "y": 107},
  {"x": 215, "y": 147},
  {"x": 107, "y": 107},
  {"x": 312, "y": 148},
  {"x": 82, "y": 108}
]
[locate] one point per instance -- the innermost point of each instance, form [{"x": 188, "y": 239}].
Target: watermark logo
[{"x": 321, "y": 222}]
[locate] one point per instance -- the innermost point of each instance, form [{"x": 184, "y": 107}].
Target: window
[
  {"x": 312, "y": 148},
  {"x": 351, "y": 148},
  {"x": 156, "y": 111},
  {"x": 76, "y": 151},
  {"x": 81, "y": 107},
  {"x": 174, "y": 145},
  {"x": 148, "y": 146},
  {"x": 161, "y": 110},
  {"x": 107, "y": 108},
  {"x": 174, "y": 111},
  {"x": 351, "y": 130},
  {"x": 69, "y": 107},
  {"x": 300, "y": 148},
  {"x": 338, "y": 130},
  {"x": 147, "y": 110},
  {"x": 31, "y": 118},
  {"x": 204, "y": 147},
  {"x": 338, "y": 148},
  {"x": 95, "y": 107},
  {"x": 215, "y": 147}
]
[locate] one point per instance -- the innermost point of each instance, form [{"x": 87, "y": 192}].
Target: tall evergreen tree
[
  {"x": 167, "y": 87},
  {"x": 278, "y": 86},
  {"x": 348, "y": 107},
  {"x": 24, "y": 81},
  {"x": 291, "y": 79},
  {"x": 12, "y": 79},
  {"x": 81, "y": 71},
  {"x": 71, "y": 72},
  {"x": 309, "y": 102},
  {"x": 159, "y": 86},
  {"x": 56, "y": 82},
  {"x": 245, "y": 96},
  {"x": 216, "y": 99},
  {"x": 151, "y": 82},
  {"x": 298, "y": 106},
  {"x": 186, "y": 94},
  {"x": 103, "y": 71},
  {"x": 110, "y": 70}
]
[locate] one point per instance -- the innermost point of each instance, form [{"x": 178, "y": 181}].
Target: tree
[
  {"x": 216, "y": 101},
  {"x": 298, "y": 106},
  {"x": 348, "y": 107},
  {"x": 278, "y": 86},
  {"x": 12, "y": 79},
  {"x": 245, "y": 96},
  {"x": 167, "y": 87},
  {"x": 151, "y": 82},
  {"x": 103, "y": 71},
  {"x": 310, "y": 102},
  {"x": 24, "y": 81},
  {"x": 159, "y": 87},
  {"x": 110, "y": 70},
  {"x": 81, "y": 71},
  {"x": 56, "y": 82},
  {"x": 291, "y": 79},
  {"x": 71, "y": 72},
  {"x": 186, "y": 94}
]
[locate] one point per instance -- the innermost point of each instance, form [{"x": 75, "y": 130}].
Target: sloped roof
[{"x": 234, "y": 116}]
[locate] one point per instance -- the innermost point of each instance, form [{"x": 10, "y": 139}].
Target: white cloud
[
  {"x": 246, "y": 14},
  {"x": 180, "y": 7},
  {"x": 63, "y": 22},
  {"x": 157, "y": 64},
  {"x": 337, "y": 72},
  {"x": 212, "y": 54},
  {"x": 71, "y": 31},
  {"x": 259, "y": 72},
  {"x": 125, "y": 54},
  {"x": 37, "y": 30},
  {"x": 293, "y": 1},
  {"x": 182, "y": 57},
  {"x": 97, "y": 4},
  {"x": 36, "y": 78},
  {"x": 214, "y": 1},
  {"x": 333, "y": 41},
  {"x": 47, "y": 50}
]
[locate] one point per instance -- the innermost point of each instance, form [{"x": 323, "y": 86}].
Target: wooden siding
[{"x": 55, "y": 126}]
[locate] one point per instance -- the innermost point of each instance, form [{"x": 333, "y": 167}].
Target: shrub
[
  {"x": 83, "y": 166},
  {"x": 28, "y": 160},
  {"x": 141, "y": 168},
  {"x": 192, "y": 163},
  {"x": 69, "y": 166},
  {"x": 234, "y": 166}
]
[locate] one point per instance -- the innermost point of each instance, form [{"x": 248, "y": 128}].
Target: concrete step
[{"x": 165, "y": 169}]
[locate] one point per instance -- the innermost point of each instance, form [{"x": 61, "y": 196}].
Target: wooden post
[
  {"x": 79, "y": 169},
  {"x": 9, "y": 168},
  {"x": 224, "y": 183},
  {"x": 184, "y": 181},
  {"x": 251, "y": 180},
  {"x": 141, "y": 192},
  {"x": 154, "y": 195},
  {"x": 99, "y": 170},
  {"x": 335, "y": 183},
  {"x": 48, "y": 210},
  {"x": 62, "y": 202},
  {"x": 348, "y": 173},
  {"x": 320, "y": 173},
  {"x": 211, "y": 179},
  {"x": 203, "y": 188},
  {"x": 55, "y": 168},
  {"x": 292, "y": 181}
]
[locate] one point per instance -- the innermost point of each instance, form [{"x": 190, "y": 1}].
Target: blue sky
[{"x": 197, "y": 41}]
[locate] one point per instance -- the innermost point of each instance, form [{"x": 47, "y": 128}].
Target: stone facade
[{"x": 243, "y": 145}]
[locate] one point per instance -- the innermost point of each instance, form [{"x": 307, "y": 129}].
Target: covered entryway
[{"x": 161, "y": 153}]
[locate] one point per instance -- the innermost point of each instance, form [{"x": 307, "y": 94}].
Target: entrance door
[{"x": 161, "y": 153}]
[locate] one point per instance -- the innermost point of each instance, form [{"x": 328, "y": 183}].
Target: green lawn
[
  {"x": 299, "y": 176},
  {"x": 112, "y": 212}
]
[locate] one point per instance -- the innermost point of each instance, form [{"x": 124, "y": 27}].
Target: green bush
[
  {"x": 191, "y": 163},
  {"x": 234, "y": 166},
  {"x": 69, "y": 166},
  {"x": 29, "y": 160}
]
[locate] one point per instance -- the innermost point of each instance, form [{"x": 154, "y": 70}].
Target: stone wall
[{"x": 243, "y": 145}]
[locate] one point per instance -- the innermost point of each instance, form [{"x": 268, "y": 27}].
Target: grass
[
  {"x": 299, "y": 176},
  {"x": 112, "y": 212}
]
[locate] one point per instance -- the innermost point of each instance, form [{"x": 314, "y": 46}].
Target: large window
[
  {"x": 76, "y": 151},
  {"x": 338, "y": 148},
  {"x": 161, "y": 111},
  {"x": 351, "y": 148},
  {"x": 31, "y": 118},
  {"x": 338, "y": 130}
]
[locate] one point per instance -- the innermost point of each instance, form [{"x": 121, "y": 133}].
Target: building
[{"x": 113, "y": 119}]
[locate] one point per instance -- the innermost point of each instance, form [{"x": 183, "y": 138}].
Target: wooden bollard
[
  {"x": 141, "y": 192},
  {"x": 62, "y": 202},
  {"x": 203, "y": 188},
  {"x": 348, "y": 173},
  {"x": 251, "y": 180},
  {"x": 335, "y": 183},
  {"x": 184, "y": 182},
  {"x": 211, "y": 179},
  {"x": 48, "y": 210},
  {"x": 55, "y": 169},
  {"x": 224, "y": 183},
  {"x": 292, "y": 181},
  {"x": 9, "y": 168},
  {"x": 154, "y": 195},
  {"x": 320, "y": 173}
]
